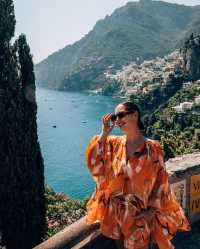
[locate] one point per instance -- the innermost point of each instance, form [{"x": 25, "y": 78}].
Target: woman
[{"x": 133, "y": 200}]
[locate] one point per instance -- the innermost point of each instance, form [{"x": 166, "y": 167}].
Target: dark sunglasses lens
[
  {"x": 121, "y": 115},
  {"x": 113, "y": 117}
]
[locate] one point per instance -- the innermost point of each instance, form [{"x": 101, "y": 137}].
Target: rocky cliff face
[{"x": 191, "y": 56}]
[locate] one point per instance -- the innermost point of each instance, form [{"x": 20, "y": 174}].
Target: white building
[
  {"x": 186, "y": 105},
  {"x": 183, "y": 106},
  {"x": 197, "y": 100},
  {"x": 178, "y": 108}
]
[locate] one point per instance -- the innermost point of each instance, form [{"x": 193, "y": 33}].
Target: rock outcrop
[{"x": 191, "y": 57}]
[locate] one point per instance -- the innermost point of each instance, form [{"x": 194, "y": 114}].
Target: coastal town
[{"x": 142, "y": 78}]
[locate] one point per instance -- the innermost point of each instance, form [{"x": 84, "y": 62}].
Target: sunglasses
[{"x": 120, "y": 115}]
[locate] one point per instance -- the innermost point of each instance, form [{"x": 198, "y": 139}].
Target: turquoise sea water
[{"x": 77, "y": 117}]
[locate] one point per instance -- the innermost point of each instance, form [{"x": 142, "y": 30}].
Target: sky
[{"x": 50, "y": 25}]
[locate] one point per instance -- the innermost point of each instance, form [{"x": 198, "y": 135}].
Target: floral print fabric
[{"x": 126, "y": 188}]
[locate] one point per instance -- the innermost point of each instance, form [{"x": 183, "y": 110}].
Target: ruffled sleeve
[
  {"x": 98, "y": 157},
  {"x": 169, "y": 215}
]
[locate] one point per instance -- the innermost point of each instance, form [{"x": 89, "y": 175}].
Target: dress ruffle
[{"x": 126, "y": 189}]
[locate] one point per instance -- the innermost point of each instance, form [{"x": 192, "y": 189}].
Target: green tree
[
  {"x": 22, "y": 206},
  {"x": 7, "y": 21}
]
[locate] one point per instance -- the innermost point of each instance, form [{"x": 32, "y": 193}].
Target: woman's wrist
[{"x": 103, "y": 136}]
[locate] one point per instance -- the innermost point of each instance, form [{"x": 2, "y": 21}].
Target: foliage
[
  {"x": 22, "y": 203},
  {"x": 62, "y": 210},
  {"x": 7, "y": 20},
  {"x": 178, "y": 132},
  {"x": 158, "y": 96}
]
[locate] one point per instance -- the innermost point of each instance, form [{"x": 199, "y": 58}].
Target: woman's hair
[{"x": 130, "y": 106}]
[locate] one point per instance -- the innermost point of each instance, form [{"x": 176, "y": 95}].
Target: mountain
[{"x": 135, "y": 32}]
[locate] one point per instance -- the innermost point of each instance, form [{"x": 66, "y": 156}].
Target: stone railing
[{"x": 184, "y": 176}]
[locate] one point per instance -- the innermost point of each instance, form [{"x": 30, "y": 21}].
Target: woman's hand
[{"x": 107, "y": 126}]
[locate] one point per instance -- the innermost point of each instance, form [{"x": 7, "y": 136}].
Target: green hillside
[
  {"x": 179, "y": 132},
  {"x": 139, "y": 30}
]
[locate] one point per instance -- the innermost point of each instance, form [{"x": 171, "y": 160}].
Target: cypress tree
[
  {"x": 22, "y": 205},
  {"x": 7, "y": 20}
]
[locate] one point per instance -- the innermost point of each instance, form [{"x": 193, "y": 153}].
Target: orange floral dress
[{"x": 126, "y": 188}]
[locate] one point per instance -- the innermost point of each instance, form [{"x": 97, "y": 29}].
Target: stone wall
[{"x": 184, "y": 176}]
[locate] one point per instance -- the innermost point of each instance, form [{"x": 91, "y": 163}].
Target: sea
[{"x": 66, "y": 123}]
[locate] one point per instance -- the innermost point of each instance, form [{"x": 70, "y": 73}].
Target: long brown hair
[{"x": 130, "y": 106}]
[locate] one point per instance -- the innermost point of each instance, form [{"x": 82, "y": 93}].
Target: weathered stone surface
[
  {"x": 191, "y": 55},
  {"x": 70, "y": 236},
  {"x": 189, "y": 163}
]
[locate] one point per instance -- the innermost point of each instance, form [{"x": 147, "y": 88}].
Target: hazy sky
[{"x": 50, "y": 25}]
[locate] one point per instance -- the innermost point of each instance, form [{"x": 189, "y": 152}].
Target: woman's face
[{"x": 128, "y": 122}]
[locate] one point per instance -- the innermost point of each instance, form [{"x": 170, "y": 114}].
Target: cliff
[{"x": 191, "y": 56}]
